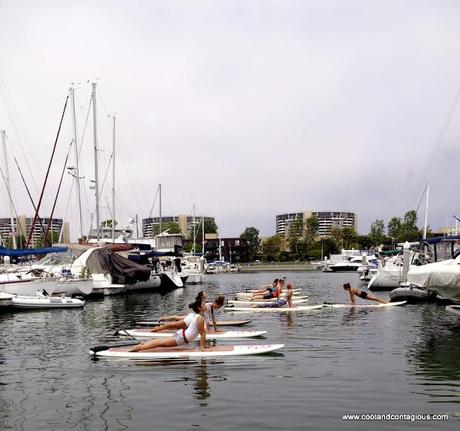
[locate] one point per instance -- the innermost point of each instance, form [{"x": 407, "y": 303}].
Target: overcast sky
[{"x": 247, "y": 109}]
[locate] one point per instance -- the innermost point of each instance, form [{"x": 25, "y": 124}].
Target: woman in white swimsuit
[{"x": 188, "y": 330}]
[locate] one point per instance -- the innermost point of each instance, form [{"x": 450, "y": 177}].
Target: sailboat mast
[
  {"x": 113, "y": 179},
  {"x": 202, "y": 236},
  {"x": 96, "y": 173},
  {"x": 425, "y": 226},
  {"x": 159, "y": 192},
  {"x": 77, "y": 162},
  {"x": 194, "y": 240},
  {"x": 8, "y": 189}
]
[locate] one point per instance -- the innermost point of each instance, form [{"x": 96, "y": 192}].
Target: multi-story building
[
  {"x": 327, "y": 221},
  {"x": 185, "y": 223},
  {"x": 232, "y": 250},
  {"x": 23, "y": 224}
]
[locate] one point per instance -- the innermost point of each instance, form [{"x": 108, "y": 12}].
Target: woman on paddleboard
[
  {"x": 211, "y": 307},
  {"x": 281, "y": 301},
  {"x": 275, "y": 293},
  {"x": 188, "y": 330},
  {"x": 352, "y": 291},
  {"x": 267, "y": 288}
]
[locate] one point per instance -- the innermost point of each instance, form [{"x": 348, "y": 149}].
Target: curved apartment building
[{"x": 327, "y": 221}]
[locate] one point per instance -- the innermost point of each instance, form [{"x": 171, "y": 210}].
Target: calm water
[{"x": 397, "y": 360}]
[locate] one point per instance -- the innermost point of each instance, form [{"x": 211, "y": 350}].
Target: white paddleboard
[
  {"x": 250, "y": 295},
  {"x": 251, "y": 291},
  {"x": 152, "y": 323},
  {"x": 379, "y": 305},
  {"x": 238, "y": 302},
  {"x": 226, "y": 335},
  {"x": 454, "y": 309},
  {"x": 282, "y": 309},
  {"x": 187, "y": 352},
  {"x": 230, "y": 322}
]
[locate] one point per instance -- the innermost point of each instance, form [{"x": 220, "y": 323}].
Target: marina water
[{"x": 397, "y": 360}]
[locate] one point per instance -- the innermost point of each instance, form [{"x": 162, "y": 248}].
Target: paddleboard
[
  {"x": 379, "y": 305},
  {"x": 251, "y": 291},
  {"x": 181, "y": 352},
  {"x": 226, "y": 335},
  {"x": 218, "y": 323},
  {"x": 230, "y": 322},
  {"x": 283, "y": 309},
  {"x": 238, "y": 302},
  {"x": 250, "y": 295},
  {"x": 454, "y": 309}
]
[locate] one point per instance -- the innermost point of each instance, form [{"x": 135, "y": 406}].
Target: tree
[
  {"x": 410, "y": 231},
  {"x": 251, "y": 235},
  {"x": 377, "y": 233},
  {"x": 311, "y": 229},
  {"x": 296, "y": 232},
  {"x": 394, "y": 228},
  {"x": 272, "y": 247},
  {"x": 210, "y": 226},
  {"x": 349, "y": 234},
  {"x": 171, "y": 227},
  {"x": 108, "y": 223},
  {"x": 51, "y": 238},
  {"x": 337, "y": 235}
]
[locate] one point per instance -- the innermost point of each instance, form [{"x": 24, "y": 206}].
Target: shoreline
[{"x": 279, "y": 267}]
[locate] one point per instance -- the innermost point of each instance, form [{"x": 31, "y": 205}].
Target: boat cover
[
  {"x": 439, "y": 274},
  {"x": 122, "y": 270},
  {"x": 30, "y": 251}
]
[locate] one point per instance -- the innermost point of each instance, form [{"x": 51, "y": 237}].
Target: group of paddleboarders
[
  {"x": 187, "y": 327},
  {"x": 274, "y": 292}
]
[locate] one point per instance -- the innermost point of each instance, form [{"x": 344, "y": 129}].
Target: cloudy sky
[{"x": 247, "y": 109}]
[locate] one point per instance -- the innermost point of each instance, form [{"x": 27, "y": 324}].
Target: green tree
[
  {"x": 171, "y": 227},
  {"x": 51, "y": 238},
  {"x": 410, "y": 231},
  {"x": 210, "y": 226},
  {"x": 251, "y": 235},
  {"x": 311, "y": 229},
  {"x": 108, "y": 223},
  {"x": 349, "y": 235},
  {"x": 377, "y": 232},
  {"x": 272, "y": 247},
  {"x": 296, "y": 233},
  {"x": 394, "y": 228},
  {"x": 337, "y": 236}
]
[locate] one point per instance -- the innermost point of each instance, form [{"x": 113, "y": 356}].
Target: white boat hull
[
  {"x": 39, "y": 302},
  {"x": 153, "y": 282}
]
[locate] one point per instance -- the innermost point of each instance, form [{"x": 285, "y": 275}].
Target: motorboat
[
  {"x": 442, "y": 277},
  {"x": 193, "y": 267},
  {"x": 453, "y": 309},
  {"x": 5, "y": 299},
  {"x": 391, "y": 274},
  {"x": 353, "y": 264},
  {"x": 41, "y": 301},
  {"x": 412, "y": 295}
]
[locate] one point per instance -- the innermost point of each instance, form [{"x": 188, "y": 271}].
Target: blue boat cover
[{"x": 30, "y": 251}]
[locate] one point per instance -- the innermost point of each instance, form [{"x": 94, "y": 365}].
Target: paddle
[
  {"x": 146, "y": 323},
  {"x": 103, "y": 347}
]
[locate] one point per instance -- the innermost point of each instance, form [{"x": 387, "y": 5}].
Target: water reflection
[
  {"x": 202, "y": 391},
  {"x": 434, "y": 362}
]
